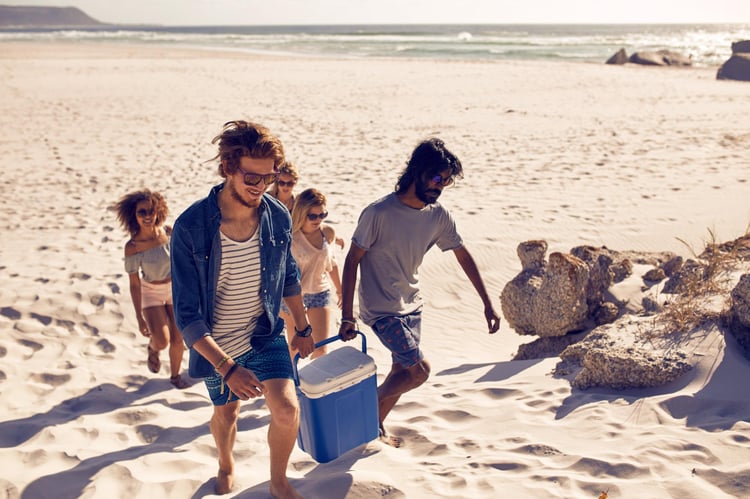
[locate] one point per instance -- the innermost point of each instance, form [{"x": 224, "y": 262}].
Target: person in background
[
  {"x": 283, "y": 188},
  {"x": 312, "y": 248},
  {"x": 147, "y": 261},
  {"x": 231, "y": 266},
  {"x": 388, "y": 246}
]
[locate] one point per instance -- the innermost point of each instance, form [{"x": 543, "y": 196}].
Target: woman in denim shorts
[{"x": 312, "y": 248}]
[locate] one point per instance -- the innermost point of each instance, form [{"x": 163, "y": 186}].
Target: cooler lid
[{"x": 335, "y": 371}]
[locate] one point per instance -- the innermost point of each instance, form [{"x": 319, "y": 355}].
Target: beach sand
[{"x": 631, "y": 158}]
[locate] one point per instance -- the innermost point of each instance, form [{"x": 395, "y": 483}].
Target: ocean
[{"x": 707, "y": 44}]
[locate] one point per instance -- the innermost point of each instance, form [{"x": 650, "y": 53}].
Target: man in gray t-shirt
[{"x": 388, "y": 246}]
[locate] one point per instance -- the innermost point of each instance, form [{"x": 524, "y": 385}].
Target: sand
[{"x": 633, "y": 158}]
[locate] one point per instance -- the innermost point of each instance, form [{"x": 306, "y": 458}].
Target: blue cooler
[{"x": 338, "y": 401}]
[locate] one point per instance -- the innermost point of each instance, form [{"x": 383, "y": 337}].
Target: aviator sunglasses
[
  {"x": 281, "y": 183},
  {"x": 314, "y": 216},
  {"x": 255, "y": 178}
]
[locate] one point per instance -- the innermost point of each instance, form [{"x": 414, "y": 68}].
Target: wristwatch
[{"x": 305, "y": 332}]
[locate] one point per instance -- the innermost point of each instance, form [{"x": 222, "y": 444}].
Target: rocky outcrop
[
  {"x": 546, "y": 299},
  {"x": 619, "y": 57},
  {"x": 686, "y": 278},
  {"x": 739, "y": 314},
  {"x": 737, "y": 67},
  {"x": 741, "y": 47},
  {"x": 740, "y": 301},
  {"x": 660, "y": 58},
  {"x": 601, "y": 360}
]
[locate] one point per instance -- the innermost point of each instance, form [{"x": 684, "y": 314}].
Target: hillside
[{"x": 21, "y": 16}]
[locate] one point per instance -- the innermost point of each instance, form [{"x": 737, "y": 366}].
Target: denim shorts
[
  {"x": 312, "y": 300},
  {"x": 272, "y": 362},
  {"x": 401, "y": 334}
]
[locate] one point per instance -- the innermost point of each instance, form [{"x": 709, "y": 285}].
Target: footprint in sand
[
  {"x": 44, "y": 319},
  {"x": 105, "y": 346},
  {"x": 11, "y": 313},
  {"x": 51, "y": 379}
]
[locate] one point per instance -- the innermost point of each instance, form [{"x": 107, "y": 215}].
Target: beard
[
  {"x": 253, "y": 203},
  {"x": 427, "y": 196}
]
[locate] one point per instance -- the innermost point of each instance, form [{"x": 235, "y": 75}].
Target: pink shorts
[{"x": 155, "y": 295}]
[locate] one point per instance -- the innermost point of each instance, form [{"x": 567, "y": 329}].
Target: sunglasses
[
  {"x": 144, "y": 213},
  {"x": 314, "y": 216},
  {"x": 281, "y": 183},
  {"x": 439, "y": 179},
  {"x": 255, "y": 178}
]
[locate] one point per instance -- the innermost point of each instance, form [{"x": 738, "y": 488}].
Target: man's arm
[
  {"x": 348, "y": 286},
  {"x": 304, "y": 346},
  {"x": 472, "y": 272}
]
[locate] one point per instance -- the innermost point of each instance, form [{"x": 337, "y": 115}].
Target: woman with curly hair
[{"x": 142, "y": 214}]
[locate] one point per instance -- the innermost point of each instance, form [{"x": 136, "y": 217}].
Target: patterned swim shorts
[
  {"x": 401, "y": 335},
  {"x": 271, "y": 363}
]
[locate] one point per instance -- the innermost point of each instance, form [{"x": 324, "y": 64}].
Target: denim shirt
[{"x": 196, "y": 261}]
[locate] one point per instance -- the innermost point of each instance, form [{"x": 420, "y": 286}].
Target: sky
[{"x": 250, "y": 12}]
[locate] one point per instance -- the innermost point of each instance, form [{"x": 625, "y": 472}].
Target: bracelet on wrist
[
  {"x": 230, "y": 371},
  {"x": 222, "y": 362},
  {"x": 349, "y": 321}
]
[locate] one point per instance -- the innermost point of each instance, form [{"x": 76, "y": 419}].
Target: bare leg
[
  {"x": 176, "y": 346},
  {"x": 399, "y": 381},
  {"x": 224, "y": 430},
  {"x": 157, "y": 322},
  {"x": 320, "y": 318},
  {"x": 282, "y": 434}
]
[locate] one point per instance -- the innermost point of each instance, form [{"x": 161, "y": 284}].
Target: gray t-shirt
[{"x": 396, "y": 238}]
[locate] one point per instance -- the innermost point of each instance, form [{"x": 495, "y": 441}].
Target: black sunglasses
[
  {"x": 281, "y": 183},
  {"x": 144, "y": 213},
  {"x": 439, "y": 179},
  {"x": 255, "y": 178},
  {"x": 314, "y": 216}
]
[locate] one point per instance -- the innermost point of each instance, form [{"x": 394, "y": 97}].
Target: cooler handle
[{"x": 320, "y": 344}]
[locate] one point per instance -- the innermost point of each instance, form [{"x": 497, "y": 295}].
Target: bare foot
[
  {"x": 390, "y": 439},
  {"x": 284, "y": 491},
  {"x": 224, "y": 482}
]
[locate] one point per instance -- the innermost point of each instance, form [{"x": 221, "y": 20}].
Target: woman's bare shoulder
[
  {"x": 131, "y": 248},
  {"x": 329, "y": 232}
]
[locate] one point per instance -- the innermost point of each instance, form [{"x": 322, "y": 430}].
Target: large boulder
[
  {"x": 739, "y": 314},
  {"x": 741, "y": 47},
  {"x": 736, "y": 67},
  {"x": 603, "y": 359},
  {"x": 546, "y": 298},
  {"x": 661, "y": 58},
  {"x": 619, "y": 57},
  {"x": 560, "y": 306},
  {"x": 740, "y": 301}
]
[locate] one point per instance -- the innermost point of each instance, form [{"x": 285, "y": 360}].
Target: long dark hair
[{"x": 429, "y": 158}]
